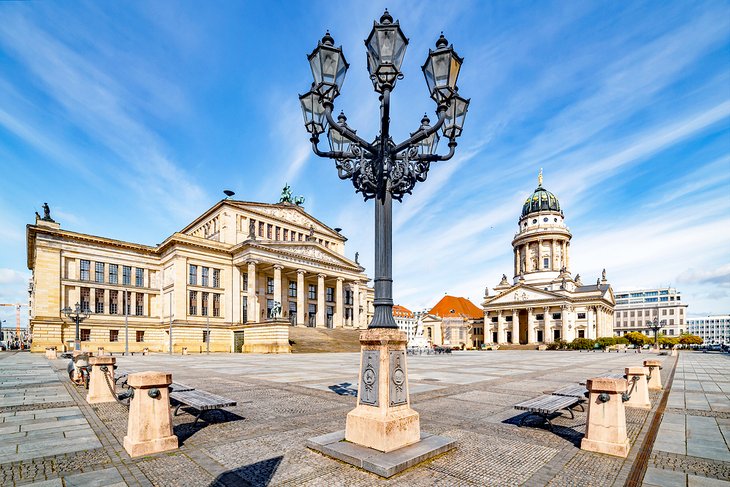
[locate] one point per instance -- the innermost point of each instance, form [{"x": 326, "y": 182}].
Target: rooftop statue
[
  {"x": 286, "y": 197},
  {"x": 46, "y": 213},
  {"x": 251, "y": 230}
]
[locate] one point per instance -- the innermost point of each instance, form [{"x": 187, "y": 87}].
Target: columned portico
[
  {"x": 277, "y": 283},
  {"x": 501, "y": 335},
  {"x": 530, "y": 326},
  {"x": 515, "y": 326},
  {"x": 301, "y": 311},
  {"x": 338, "y": 318},
  {"x": 252, "y": 301},
  {"x": 547, "y": 326}
]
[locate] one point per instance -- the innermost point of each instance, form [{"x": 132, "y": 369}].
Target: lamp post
[
  {"x": 656, "y": 325},
  {"x": 78, "y": 315},
  {"x": 383, "y": 170}
]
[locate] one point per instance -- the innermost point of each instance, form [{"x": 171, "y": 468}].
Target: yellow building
[{"x": 224, "y": 272}]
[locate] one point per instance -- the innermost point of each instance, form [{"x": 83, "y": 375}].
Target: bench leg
[
  {"x": 177, "y": 408},
  {"x": 572, "y": 415},
  {"x": 200, "y": 413}
]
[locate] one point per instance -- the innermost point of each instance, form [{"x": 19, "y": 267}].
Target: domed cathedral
[{"x": 545, "y": 302}]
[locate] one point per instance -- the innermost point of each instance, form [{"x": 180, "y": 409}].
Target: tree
[
  {"x": 666, "y": 341},
  {"x": 604, "y": 342},
  {"x": 582, "y": 344},
  {"x": 639, "y": 339},
  {"x": 688, "y": 339}
]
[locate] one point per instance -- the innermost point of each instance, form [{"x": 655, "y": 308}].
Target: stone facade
[
  {"x": 454, "y": 322},
  {"x": 545, "y": 302},
  {"x": 635, "y": 308},
  {"x": 221, "y": 273}
]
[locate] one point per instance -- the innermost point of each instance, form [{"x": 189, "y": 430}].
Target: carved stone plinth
[
  {"x": 383, "y": 419},
  {"x": 638, "y": 387},
  {"x": 150, "y": 420},
  {"x": 100, "y": 351},
  {"x": 185, "y": 350},
  {"x": 51, "y": 353},
  {"x": 655, "y": 376},
  {"x": 606, "y": 421},
  {"x": 99, "y": 380}
]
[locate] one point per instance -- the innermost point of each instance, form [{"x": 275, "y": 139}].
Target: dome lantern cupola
[{"x": 540, "y": 200}]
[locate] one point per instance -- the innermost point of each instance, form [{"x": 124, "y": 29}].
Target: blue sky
[{"x": 130, "y": 118}]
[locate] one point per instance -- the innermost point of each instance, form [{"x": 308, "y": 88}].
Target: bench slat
[
  {"x": 571, "y": 391},
  {"x": 201, "y": 400},
  {"x": 547, "y": 404}
]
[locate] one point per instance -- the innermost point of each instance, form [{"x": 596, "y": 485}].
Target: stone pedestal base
[
  {"x": 606, "y": 421},
  {"x": 99, "y": 380},
  {"x": 51, "y": 353},
  {"x": 636, "y": 378},
  {"x": 383, "y": 419},
  {"x": 655, "y": 381},
  {"x": 150, "y": 421}
]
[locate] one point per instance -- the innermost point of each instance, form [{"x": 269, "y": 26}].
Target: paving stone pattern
[{"x": 284, "y": 400}]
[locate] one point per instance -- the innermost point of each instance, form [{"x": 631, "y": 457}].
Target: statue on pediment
[
  {"x": 310, "y": 237},
  {"x": 275, "y": 310},
  {"x": 357, "y": 258},
  {"x": 603, "y": 275},
  {"x": 286, "y": 196},
  {"x": 577, "y": 279},
  {"x": 46, "y": 213},
  {"x": 251, "y": 230}
]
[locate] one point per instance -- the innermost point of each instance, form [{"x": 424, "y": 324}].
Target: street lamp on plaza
[
  {"x": 78, "y": 315},
  {"x": 381, "y": 169},
  {"x": 656, "y": 325}
]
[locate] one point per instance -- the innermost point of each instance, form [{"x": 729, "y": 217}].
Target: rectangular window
[
  {"x": 193, "y": 275},
  {"x": 581, "y": 316},
  {"x": 204, "y": 304},
  {"x": 138, "y": 304},
  {"x": 245, "y": 280},
  {"x": 99, "y": 272},
  {"x": 269, "y": 230},
  {"x": 509, "y": 318},
  {"x": 193, "y": 305},
  {"x": 85, "y": 299},
  {"x": 312, "y": 291},
  {"x": 216, "y": 278},
  {"x": 556, "y": 316},
  {"x": 664, "y": 312},
  {"x": 546, "y": 263},
  {"x": 286, "y": 234},
  {"x": 540, "y": 316},
  {"x": 312, "y": 315},
  {"x": 113, "y": 335},
  {"x": 330, "y": 295},
  {"x": 204, "y": 276},
  {"x": 139, "y": 336},
  {"x": 495, "y": 319},
  {"x": 671, "y": 311},
  {"x": 139, "y": 277},
  {"x": 292, "y": 289},
  {"x": 84, "y": 274},
  {"x": 348, "y": 297},
  {"x": 330, "y": 311},
  {"x": 205, "y": 336},
  {"x": 85, "y": 334},
  {"x": 671, "y": 322},
  {"x": 126, "y": 275},
  {"x": 245, "y": 310},
  {"x": 216, "y": 305},
  {"x": 113, "y": 274},
  {"x": 99, "y": 298},
  {"x": 269, "y": 285},
  {"x": 261, "y": 229},
  {"x": 113, "y": 302},
  {"x": 301, "y": 236},
  {"x": 269, "y": 307},
  {"x": 278, "y": 233}
]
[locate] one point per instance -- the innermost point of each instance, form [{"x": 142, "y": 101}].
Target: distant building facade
[
  {"x": 544, "y": 302},
  {"x": 223, "y": 272},
  {"x": 635, "y": 308},
  {"x": 454, "y": 322},
  {"x": 406, "y": 320},
  {"x": 714, "y": 329}
]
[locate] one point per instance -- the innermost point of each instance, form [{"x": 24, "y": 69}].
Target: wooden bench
[
  {"x": 201, "y": 401},
  {"x": 180, "y": 387},
  {"x": 547, "y": 405},
  {"x": 606, "y": 376}
]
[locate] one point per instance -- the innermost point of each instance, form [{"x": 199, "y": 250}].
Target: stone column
[
  {"x": 320, "y": 300},
  {"x": 638, "y": 387},
  {"x": 527, "y": 257},
  {"x": 501, "y": 336},
  {"x": 530, "y": 326},
  {"x": 337, "y": 319},
  {"x": 145, "y": 305},
  {"x": 564, "y": 331},
  {"x": 252, "y": 305},
  {"x": 149, "y": 427},
  {"x": 233, "y": 308},
  {"x": 606, "y": 418},
  {"x": 92, "y": 299},
  {"x": 515, "y": 326},
  {"x": 517, "y": 261},
  {"x": 547, "y": 332},
  {"x": 356, "y": 304},
  {"x": 538, "y": 252},
  {"x": 301, "y": 303},
  {"x": 99, "y": 380},
  {"x": 277, "y": 284},
  {"x": 567, "y": 255}
]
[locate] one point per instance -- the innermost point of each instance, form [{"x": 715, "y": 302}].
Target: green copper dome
[{"x": 540, "y": 200}]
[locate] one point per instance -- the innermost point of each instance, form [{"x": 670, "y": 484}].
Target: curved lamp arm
[
  {"x": 334, "y": 154},
  {"x": 436, "y": 157},
  {"x": 346, "y": 132},
  {"x": 422, "y": 134}
]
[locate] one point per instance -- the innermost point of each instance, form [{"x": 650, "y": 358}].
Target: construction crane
[{"x": 17, "y": 316}]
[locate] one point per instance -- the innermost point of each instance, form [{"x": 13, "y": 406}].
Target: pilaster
[
  {"x": 301, "y": 293},
  {"x": 337, "y": 319},
  {"x": 320, "y": 300}
]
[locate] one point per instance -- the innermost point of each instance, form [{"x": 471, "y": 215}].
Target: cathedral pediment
[{"x": 521, "y": 293}]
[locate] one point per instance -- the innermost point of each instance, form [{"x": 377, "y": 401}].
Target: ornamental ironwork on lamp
[{"x": 381, "y": 169}]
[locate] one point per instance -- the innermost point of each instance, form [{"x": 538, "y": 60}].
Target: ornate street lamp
[
  {"x": 77, "y": 315},
  {"x": 383, "y": 170},
  {"x": 655, "y": 325}
]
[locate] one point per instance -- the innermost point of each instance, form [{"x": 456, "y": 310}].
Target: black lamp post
[
  {"x": 381, "y": 169},
  {"x": 655, "y": 325},
  {"x": 77, "y": 315}
]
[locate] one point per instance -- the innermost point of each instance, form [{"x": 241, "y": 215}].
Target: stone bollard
[
  {"x": 145, "y": 351},
  {"x": 100, "y": 351},
  {"x": 638, "y": 387},
  {"x": 185, "y": 350},
  {"x": 51, "y": 353},
  {"x": 150, "y": 421},
  {"x": 100, "y": 381},
  {"x": 606, "y": 421},
  {"x": 674, "y": 352},
  {"x": 655, "y": 377}
]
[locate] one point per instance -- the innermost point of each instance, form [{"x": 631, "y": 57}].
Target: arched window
[{"x": 546, "y": 263}]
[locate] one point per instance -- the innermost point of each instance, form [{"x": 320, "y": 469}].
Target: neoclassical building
[
  {"x": 223, "y": 272},
  {"x": 544, "y": 302}
]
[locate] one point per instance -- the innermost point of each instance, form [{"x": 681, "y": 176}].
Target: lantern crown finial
[
  {"x": 425, "y": 121},
  {"x": 441, "y": 41},
  {"x": 342, "y": 118},
  {"x": 328, "y": 40},
  {"x": 386, "y": 18}
]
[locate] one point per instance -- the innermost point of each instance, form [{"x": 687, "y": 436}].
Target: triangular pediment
[
  {"x": 308, "y": 250},
  {"x": 291, "y": 214},
  {"x": 521, "y": 293}
]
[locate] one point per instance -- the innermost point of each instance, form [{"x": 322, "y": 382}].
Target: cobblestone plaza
[{"x": 50, "y": 436}]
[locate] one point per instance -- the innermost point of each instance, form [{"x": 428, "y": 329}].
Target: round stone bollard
[
  {"x": 100, "y": 351},
  {"x": 150, "y": 420},
  {"x": 185, "y": 350},
  {"x": 606, "y": 421},
  {"x": 51, "y": 353},
  {"x": 145, "y": 351},
  {"x": 638, "y": 388},
  {"x": 655, "y": 377},
  {"x": 101, "y": 382}
]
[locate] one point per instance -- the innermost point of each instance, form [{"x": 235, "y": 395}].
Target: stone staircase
[
  {"x": 511, "y": 346},
  {"x": 323, "y": 340}
]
